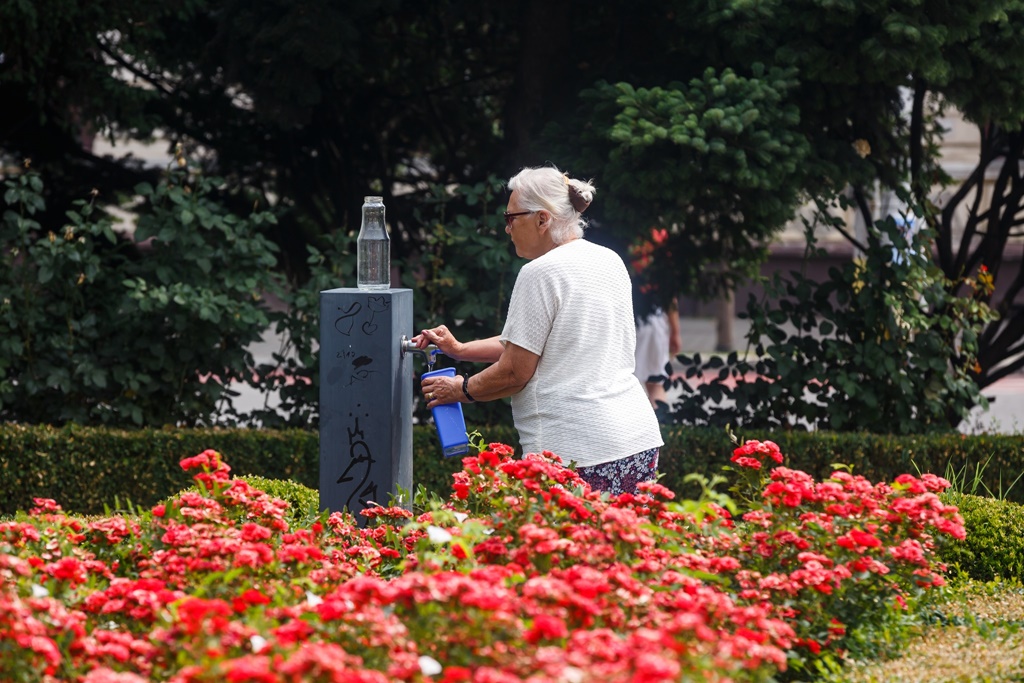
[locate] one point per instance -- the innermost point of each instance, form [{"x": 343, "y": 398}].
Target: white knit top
[{"x": 573, "y": 307}]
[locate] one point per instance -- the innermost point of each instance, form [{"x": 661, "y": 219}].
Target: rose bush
[{"x": 523, "y": 574}]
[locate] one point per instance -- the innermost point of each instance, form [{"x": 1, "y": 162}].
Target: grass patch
[{"x": 976, "y": 635}]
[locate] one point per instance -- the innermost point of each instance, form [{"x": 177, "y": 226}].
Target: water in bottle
[{"x": 373, "y": 257}]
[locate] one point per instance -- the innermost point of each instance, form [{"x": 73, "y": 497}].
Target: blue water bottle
[{"x": 451, "y": 426}]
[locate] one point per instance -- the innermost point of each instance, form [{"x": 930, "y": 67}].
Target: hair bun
[{"x": 577, "y": 198}]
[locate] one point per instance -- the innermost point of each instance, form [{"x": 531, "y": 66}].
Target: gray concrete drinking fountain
[
  {"x": 366, "y": 395},
  {"x": 366, "y": 392},
  {"x": 366, "y": 377}
]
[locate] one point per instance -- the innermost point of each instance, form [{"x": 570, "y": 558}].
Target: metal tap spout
[{"x": 429, "y": 353}]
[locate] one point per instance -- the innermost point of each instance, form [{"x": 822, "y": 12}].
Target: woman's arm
[
  {"x": 479, "y": 351},
  {"x": 507, "y": 376}
]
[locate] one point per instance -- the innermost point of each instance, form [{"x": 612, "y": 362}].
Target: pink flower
[
  {"x": 255, "y": 532},
  {"x": 759, "y": 450},
  {"x": 858, "y": 540},
  {"x": 540, "y": 579},
  {"x": 250, "y": 669},
  {"x": 545, "y": 627},
  {"x": 105, "y": 675},
  {"x": 910, "y": 551},
  {"x": 248, "y": 598},
  {"x": 68, "y": 569}
]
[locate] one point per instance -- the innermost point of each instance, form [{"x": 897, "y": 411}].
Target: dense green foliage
[
  {"x": 316, "y": 103},
  {"x": 311, "y": 105},
  {"x": 102, "y": 330},
  {"x": 994, "y": 547},
  {"x": 720, "y": 159},
  {"x": 876, "y": 79},
  {"x": 88, "y": 467},
  {"x": 99, "y": 330},
  {"x": 881, "y": 336},
  {"x": 84, "y": 468},
  {"x": 713, "y": 121}
]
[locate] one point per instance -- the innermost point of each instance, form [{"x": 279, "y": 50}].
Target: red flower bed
[{"x": 524, "y": 574}]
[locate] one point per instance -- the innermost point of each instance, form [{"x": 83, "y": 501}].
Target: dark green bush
[
  {"x": 994, "y": 547},
  {"x": 93, "y": 333},
  {"x": 84, "y": 468},
  {"x": 881, "y": 336}
]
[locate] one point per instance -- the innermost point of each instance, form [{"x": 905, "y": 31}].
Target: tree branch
[
  {"x": 949, "y": 262},
  {"x": 119, "y": 59},
  {"x": 916, "y": 138}
]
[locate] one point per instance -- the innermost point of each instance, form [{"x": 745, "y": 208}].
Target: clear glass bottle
[{"x": 374, "y": 247}]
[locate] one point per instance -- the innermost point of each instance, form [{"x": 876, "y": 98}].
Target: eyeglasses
[{"x": 509, "y": 217}]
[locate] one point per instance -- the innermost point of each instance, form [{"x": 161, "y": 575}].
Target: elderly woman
[{"x": 565, "y": 355}]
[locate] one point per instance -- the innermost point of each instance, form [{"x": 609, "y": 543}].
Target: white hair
[{"x": 549, "y": 189}]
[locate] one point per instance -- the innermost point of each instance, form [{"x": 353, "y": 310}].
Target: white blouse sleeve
[{"x": 531, "y": 310}]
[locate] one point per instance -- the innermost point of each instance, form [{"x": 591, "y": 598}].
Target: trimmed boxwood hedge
[
  {"x": 84, "y": 468},
  {"x": 994, "y": 547}
]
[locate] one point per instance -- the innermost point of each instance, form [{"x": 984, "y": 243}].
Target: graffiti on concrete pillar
[
  {"x": 366, "y": 398},
  {"x": 348, "y": 317},
  {"x": 360, "y": 370},
  {"x": 360, "y": 373},
  {"x": 360, "y": 461},
  {"x": 377, "y": 304}
]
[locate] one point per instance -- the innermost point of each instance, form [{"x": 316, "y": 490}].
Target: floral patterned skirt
[{"x": 622, "y": 475}]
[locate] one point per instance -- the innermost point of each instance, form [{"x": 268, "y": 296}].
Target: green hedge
[
  {"x": 85, "y": 468},
  {"x": 876, "y": 456},
  {"x": 994, "y": 547}
]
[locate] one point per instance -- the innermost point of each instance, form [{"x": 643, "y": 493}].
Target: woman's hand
[
  {"x": 439, "y": 390},
  {"x": 442, "y": 338}
]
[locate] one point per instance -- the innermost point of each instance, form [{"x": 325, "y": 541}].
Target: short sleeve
[{"x": 531, "y": 310}]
